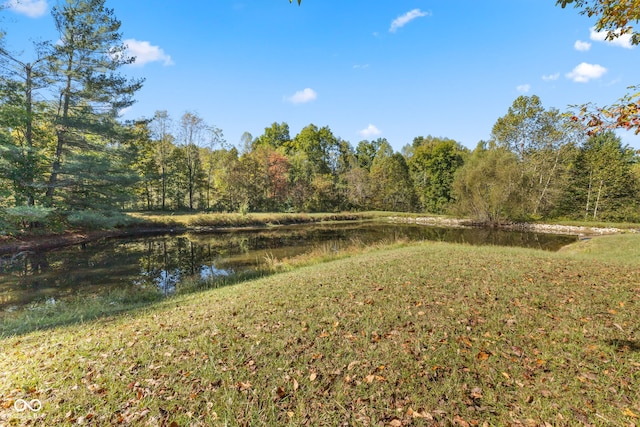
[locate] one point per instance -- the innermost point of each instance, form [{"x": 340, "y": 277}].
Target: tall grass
[{"x": 247, "y": 220}]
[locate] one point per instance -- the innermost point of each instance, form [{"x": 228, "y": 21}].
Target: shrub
[
  {"x": 96, "y": 220},
  {"x": 27, "y": 216}
]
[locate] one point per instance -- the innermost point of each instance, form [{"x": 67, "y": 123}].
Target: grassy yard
[{"x": 420, "y": 335}]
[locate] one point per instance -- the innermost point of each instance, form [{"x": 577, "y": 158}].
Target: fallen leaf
[
  {"x": 476, "y": 393},
  {"x": 313, "y": 376},
  {"x": 546, "y": 393},
  {"x": 483, "y": 355},
  {"x": 242, "y": 386},
  {"x": 457, "y": 420}
]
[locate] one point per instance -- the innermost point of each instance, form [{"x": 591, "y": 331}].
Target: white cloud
[
  {"x": 403, "y": 20},
  {"x": 551, "y": 77},
  {"x": 582, "y": 46},
  {"x": 145, "y": 52},
  {"x": 360, "y": 66},
  {"x": 302, "y": 96},
  {"x": 31, "y": 8},
  {"x": 523, "y": 88},
  {"x": 369, "y": 132},
  {"x": 585, "y": 72},
  {"x": 623, "y": 40}
]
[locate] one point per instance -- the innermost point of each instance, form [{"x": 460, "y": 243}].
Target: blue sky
[{"x": 395, "y": 69}]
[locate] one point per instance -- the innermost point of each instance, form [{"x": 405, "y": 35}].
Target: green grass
[
  {"x": 427, "y": 334},
  {"x": 616, "y": 248}
]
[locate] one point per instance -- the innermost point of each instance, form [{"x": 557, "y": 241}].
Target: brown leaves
[
  {"x": 483, "y": 355},
  {"x": 629, "y": 413},
  {"x": 476, "y": 393},
  {"x": 374, "y": 378},
  {"x": 243, "y": 386}
]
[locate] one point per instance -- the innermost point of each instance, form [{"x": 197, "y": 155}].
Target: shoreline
[
  {"x": 26, "y": 243},
  {"x": 531, "y": 227},
  {"x": 9, "y": 246},
  {"x": 47, "y": 242}
]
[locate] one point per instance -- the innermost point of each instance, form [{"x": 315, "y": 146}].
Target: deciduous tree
[
  {"x": 487, "y": 186},
  {"x": 543, "y": 142},
  {"x": 192, "y": 135},
  {"x": 433, "y": 163},
  {"x": 163, "y": 141},
  {"x": 392, "y": 185}
]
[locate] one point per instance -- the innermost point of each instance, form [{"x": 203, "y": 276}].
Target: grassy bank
[
  {"x": 429, "y": 334},
  {"x": 45, "y": 315},
  {"x": 190, "y": 220}
]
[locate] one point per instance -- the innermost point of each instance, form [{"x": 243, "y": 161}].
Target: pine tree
[{"x": 83, "y": 77}]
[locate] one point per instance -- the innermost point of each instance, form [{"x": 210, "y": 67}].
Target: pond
[{"x": 160, "y": 262}]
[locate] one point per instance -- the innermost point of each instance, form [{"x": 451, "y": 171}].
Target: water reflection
[
  {"x": 161, "y": 262},
  {"x": 211, "y": 272}
]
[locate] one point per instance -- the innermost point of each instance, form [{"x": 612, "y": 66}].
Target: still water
[{"x": 160, "y": 262}]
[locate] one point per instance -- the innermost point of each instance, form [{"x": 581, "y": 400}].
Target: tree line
[
  {"x": 67, "y": 159},
  {"x": 537, "y": 164}
]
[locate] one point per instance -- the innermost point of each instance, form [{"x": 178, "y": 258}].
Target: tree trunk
[
  {"x": 29, "y": 130},
  {"x": 164, "y": 187},
  {"x": 60, "y": 134},
  {"x": 595, "y": 209},
  {"x": 546, "y": 186},
  {"x": 586, "y": 211}
]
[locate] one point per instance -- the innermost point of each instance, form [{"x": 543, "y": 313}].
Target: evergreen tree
[
  {"x": 83, "y": 67},
  {"x": 25, "y": 133},
  {"x": 603, "y": 184}
]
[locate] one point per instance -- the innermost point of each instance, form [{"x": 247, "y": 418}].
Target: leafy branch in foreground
[
  {"x": 614, "y": 16},
  {"x": 616, "y": 19},
  {"x": 624, "y": 114}
]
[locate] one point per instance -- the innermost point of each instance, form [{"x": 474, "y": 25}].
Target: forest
[{"x": 67, "y": 160}]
